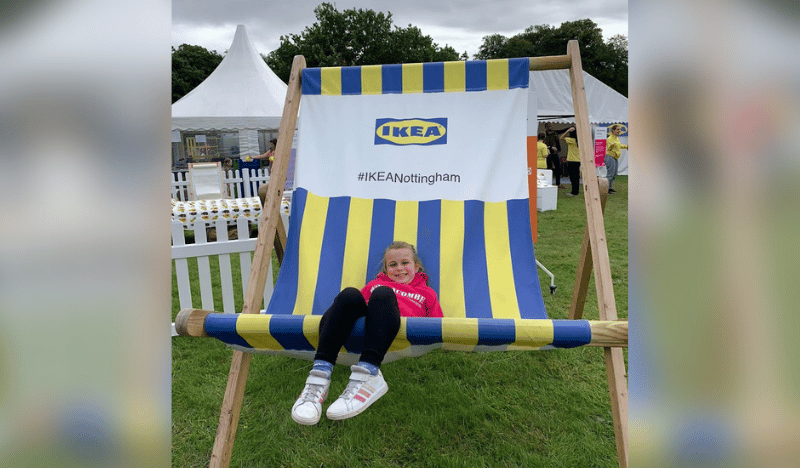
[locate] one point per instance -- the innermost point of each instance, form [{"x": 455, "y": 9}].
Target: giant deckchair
[{"x": 475, "y": 240}]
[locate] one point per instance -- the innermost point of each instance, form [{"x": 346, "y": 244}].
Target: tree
[
  {"x": 607, "y": 61},
  {"x": 355, "y": 37},
  {"x": 190, "y": 66}
]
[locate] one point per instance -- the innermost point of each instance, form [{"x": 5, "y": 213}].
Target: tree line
[{"x": 365, "y": 37}]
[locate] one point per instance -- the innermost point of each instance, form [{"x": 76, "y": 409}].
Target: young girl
[{"x": 400, "y": 290}]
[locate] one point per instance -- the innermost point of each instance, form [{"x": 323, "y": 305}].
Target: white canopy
[
  {"x": 554, "y": 98},
  {"x": 242, "y": 93}
]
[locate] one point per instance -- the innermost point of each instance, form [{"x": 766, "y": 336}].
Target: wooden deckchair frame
[{"x": 594, "y": 255}]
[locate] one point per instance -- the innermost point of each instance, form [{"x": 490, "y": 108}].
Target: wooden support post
[
  {"x": 280, "y": 242},
  {"x": 594, "y": 214},
  {"x": 552, "y": 62},
  {"x": 581, "y": 287},
  {"x": 262, "y": 262},
  {"x": 615, "y": 365}
]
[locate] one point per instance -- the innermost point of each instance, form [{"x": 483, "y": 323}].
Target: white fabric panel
[
  {"x": 484, "y": 158},
  {"x": 533, "y": 117},
  {"x": 248, "y": 143}
]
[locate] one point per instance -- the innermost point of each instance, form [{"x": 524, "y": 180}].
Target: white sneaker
[
  {"x": 308, "y": 407},
  {"x": 362, "y": 390}
]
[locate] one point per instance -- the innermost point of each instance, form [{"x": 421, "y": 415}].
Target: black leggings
[
  {"x": 380, "y": 328},
  {"x": 574, "y": 169},
  {"x": 554, "y": 164}
]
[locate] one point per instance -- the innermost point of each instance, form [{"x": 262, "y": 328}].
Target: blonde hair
[{"x": 402, "y": 245}]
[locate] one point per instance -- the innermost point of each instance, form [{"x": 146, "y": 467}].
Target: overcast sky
[{"x": 461, "y": 24}]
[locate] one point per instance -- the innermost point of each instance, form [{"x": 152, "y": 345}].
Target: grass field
[{"x": 444, "y": 409}]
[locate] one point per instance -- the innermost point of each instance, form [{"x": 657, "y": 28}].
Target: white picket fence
[
  {"x": 240, "y": 183},
  {"x": 202, "y": 249}
]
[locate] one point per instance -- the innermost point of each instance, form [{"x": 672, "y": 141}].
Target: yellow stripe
[
  {"x": 400, "y": 341},
  {"x": 532, "y": 334},
  {"x": 406, "y": 219},
  {"x": 356, "y": 251},
  {"x": 371, "y": 79},
  {"x": 412, "y": 78},
  {"x": 455, "y": 76},
  {"x": 502, "y": 291},
  {"x": 310, "y": 246},
  {"x": 497, "y": 74},
  {"x": 459, "y": 333},
  {"x": 331, "y": 79},
  {"x": 311, "y": 329},
  {"x": 254, "y": 329},
  {"x": 451, "y": 257}
]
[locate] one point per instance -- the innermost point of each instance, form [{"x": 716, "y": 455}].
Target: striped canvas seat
[{"x": 381, "y": 173}]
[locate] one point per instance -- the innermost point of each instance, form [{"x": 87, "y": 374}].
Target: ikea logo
[{"x": 402, "y": 132}]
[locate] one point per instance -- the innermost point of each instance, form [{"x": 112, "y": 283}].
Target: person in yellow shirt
[
  {"x": 613, "y": 152},
  {"x": 573, "y": 160},
  {"x": 541, "y": 152}
]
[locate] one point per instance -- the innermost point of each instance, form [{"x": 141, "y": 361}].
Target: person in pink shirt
[{"x": 400, "y": 290}]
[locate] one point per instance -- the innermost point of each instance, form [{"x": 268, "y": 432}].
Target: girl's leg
[
  {"x": 334, "y": 329},
  {"x": 337, "y": 323},
  {"x": 381, "y": 325},
  {"x": 366, "y": 383}
]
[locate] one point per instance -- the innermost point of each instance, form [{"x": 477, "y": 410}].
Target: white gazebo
[
  {"x": 242, "y": 95},
  {"x": 550, "y": 93}
]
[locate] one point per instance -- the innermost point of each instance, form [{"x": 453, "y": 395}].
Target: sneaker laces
[
  {"x": 311, "y": 392},
  {"x": 351, "y": 389}
]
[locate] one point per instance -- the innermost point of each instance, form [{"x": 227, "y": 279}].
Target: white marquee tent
[
  {"x": 550, "y": 92},
  {"x": 242, "y": 94}
]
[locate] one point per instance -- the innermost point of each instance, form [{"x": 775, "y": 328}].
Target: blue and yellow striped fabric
[
  {"x": 436, "y": 77},
  {"x": 478, "y": 255},
  {"x": 299, "y": 334}
]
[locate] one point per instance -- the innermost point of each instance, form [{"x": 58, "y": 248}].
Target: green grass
[{"x": 444, "y": 409}]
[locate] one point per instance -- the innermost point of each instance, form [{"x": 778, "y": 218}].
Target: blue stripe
[
  {"x": 285, "y": 292},
  {"x": 331, "y": 258},
  {"x": 392, "y": 79},
  {"x": 312, "y": 81},
  {"x": 493, "y": 332},
  {"x": 351, "y": 80},
  {"x": 518, "y": 69},
  {"x": 381, "y": 234},
  {"x": 429, "y": 227},
  {"x": 223, "y": 328},
  {"x": 433, "y": 77},
  {"x": 288, "y": 332},
  {"x": 571, "y": 333},
  {"x": 423, "y": 331},
  {"x": 476, "y": 277},
  {"x": 523, "y": 261},
  {"x": 476, "y": 75}
]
